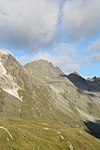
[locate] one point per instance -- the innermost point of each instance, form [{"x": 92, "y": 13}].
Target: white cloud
[
  {"x": 93, "y": 52},
  {"x": 23, "y": 22},
  {"x": 66, "y": 57},
  {"x": 24, "y": 59},
  {"x": 65, "y": 48},
  {"x": 92, "y": 58},
  {"x": 81, "y": 18},
  {"x": 95, "y": 57},
  {"x": 63, "y": 55},
  {"x": 94, "y": 46}
]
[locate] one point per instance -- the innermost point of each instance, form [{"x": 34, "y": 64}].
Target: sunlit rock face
[{"x": 7, "y": 81}]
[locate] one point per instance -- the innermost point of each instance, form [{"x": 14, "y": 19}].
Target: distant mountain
[
  {"x": 78, "y": 80},
  {"x": 40, "y": 108},
  {"x": 90, "y": 84},
  {"x": 94, "y": 84}
]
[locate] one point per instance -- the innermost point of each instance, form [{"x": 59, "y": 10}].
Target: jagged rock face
[
  {"x": 14, "y": 74},
  {"x": 90, "y": 84},
  {"x": 94, "y": 84},
  {"x": 7, "y": 81},
  {"x": 78, "y": 81}
]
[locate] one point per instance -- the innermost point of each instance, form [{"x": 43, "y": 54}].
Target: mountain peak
[
  {"x": 76, "y": 73},
  {"x": 4, "y": 52},
  {"x": 90, "y": 84},
  {"x": 41, "y": 61},
  {"x": 43, "y": 69},
  {"x": 78, "y": 80}
]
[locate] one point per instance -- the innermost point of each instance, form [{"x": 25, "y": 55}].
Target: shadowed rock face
[
  {"x": 94, "y": 84},
  {"x": 93, "y": 128},
  {"x": 90, "y": 84},
  {"x": 78, "y": 81}
]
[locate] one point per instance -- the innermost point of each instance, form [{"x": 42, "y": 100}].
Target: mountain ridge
[
  {"x": 48, "y": 106},
  {"x": 90, "y": 84}
]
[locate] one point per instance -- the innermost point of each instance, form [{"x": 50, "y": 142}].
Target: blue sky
[{"x": 65, "y": 32}]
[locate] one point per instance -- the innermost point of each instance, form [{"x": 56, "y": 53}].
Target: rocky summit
[{"x": 41, "y": 108}]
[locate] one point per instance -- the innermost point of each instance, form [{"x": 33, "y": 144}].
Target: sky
[{"x": 64, "y": 32}]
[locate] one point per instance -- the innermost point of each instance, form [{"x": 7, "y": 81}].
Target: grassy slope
[{"x": 32, "y": 136}]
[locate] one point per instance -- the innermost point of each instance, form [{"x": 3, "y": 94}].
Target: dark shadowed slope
[
  {"x": 90, "y": 84},
  {"x": 93, "y": 128}
]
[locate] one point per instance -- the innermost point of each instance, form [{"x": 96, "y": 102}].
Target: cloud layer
[
  {"x": 27, "y": 22},
  {"x": 93, "y": 52},
  {"x": 64, "y": 55},
  {"x": 81, "y": 18},
  {"x": 38, "y": 26}
]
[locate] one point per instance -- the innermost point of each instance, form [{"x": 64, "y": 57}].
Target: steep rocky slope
[
  {"x": 78, "y": 81},
  {"x": 69, "y": 98},
  {"x": 39, "y": 106},
  {"x": 90, "y": 84}
]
